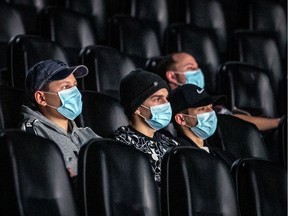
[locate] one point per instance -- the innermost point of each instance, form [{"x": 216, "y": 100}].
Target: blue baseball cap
[{"x": 50, "y": 70}]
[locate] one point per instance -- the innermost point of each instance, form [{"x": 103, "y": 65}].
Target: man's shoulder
[{"x": 87, "y": 131}]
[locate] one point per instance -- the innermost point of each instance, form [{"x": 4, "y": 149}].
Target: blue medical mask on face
[
  {"x": 161, "y": 116},
  {"x": 195, "y": 77},
  {"x": 206, "y": 126},
  {"x": 71, "y": 100}
]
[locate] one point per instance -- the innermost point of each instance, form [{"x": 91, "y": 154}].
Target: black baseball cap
[
  {"x": 50, "y": 70},
  {"x": 192, "y": 96}
]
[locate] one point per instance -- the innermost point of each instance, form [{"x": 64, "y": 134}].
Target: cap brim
[{"x": 78, "y": 71}]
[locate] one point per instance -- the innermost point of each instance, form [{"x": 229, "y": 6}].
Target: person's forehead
[
  {"x": 160, "y": 93},
  {"x": 182, "y": 60}
]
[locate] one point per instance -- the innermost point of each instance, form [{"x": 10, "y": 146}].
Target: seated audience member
[
  {"x": 181, "y": 68},
  {"x": 143, "y": 95},
  {"x": 52, "y": 86},
  {"x": 194, "y": 118}
]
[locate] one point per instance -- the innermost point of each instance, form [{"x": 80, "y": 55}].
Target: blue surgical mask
[
  {"x": 195, "y": 77},
  {"x": 71, "y": 100},
  {"x": 161, "y": 116},
  {"x": 206, "y": 126}
]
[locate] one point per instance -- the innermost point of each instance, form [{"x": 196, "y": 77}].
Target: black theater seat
[
  {"x": 196, "y": 183},
  {"x": 26, "y": 50},
  {"x": 33, "y": 177},
  {"x": 107, "y": 66},
  {"x": 115, "y": 179},
  {"x": 72, "y": 30},
  {"x": 261, "y": 187},
  {"x": 102, "y": 113},
  {"x": 11, "y": 100},
  {"x": 134, "y": 37},
  {"x": 248, "y": 88}
]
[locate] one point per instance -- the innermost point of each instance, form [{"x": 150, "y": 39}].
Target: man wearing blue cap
[{"x": 52, "y": 86}]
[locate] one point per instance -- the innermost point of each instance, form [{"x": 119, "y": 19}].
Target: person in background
[
  {"x": 143, "y": 95},
  {"x": 182, "y": 68},
  {"x": 195, "y": 120},
  {"x": 52, "y": 87}
]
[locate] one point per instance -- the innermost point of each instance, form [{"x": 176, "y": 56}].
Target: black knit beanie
[{"x": 136, "y": 87}]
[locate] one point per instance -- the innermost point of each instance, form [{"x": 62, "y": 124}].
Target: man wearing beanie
[
  {"x": 143, "y": 95},
  {"x": 194, "y": 118},
  {"x": 52, "y": 87}
]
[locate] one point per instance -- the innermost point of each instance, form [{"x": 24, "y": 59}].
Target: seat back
[
  {"x": 133, "y": 37},
  {"x": 107, "y": 66},
  {"x": 115, "y": 179},
  {"x": 196, "y": 183},
  {"x": 219, "y": 16},
  {"x": 33, "y": 177},
  {"x": 270, "y": 16},
  {"x": 248, "y": 88},
  {"x": 100, "y": 11},
  {"x": 261, "y": 187},
  {"x": 10, "y": 26},
  {"x": 102, "y": 113},
  {"x": 261, "y": 50},
  {"x": 11, "y": 100},
  {"x": 201, "y": 44},
  {"x": 238, "y": 137},
  {"x": 55, "y": 24},
  {"x": 156, "y": 12},
  {"x": 26, "y": 50}
]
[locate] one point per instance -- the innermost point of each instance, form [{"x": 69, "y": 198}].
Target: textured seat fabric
[
  {"x": 107, "y": 66},
  {"x": 238, "y": 137},
  {"x": 11, "y": 100},
  {"x": 102, "y": 113},
  {"x": 56, "y": 25},
  {"x": 115, "y": 179},
  {"x": 26, "y": 50},
  {"x": 133, "y": 37},
  {"x": 261, "y": 187},
  {"x": 248, "y": 88},
  {"x": 33, "y": 177},
  {"x": 196, "y": 183}
]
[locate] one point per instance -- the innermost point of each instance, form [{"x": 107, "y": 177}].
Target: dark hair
[{"x": 167, "y": 63}]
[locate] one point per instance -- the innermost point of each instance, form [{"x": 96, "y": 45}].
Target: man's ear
[
  {"x": 40, "y": 98},
  {"x": 137, "y": 111},
  {"x": 170, "y": 76},
  {"x": 179, "y": 119}
]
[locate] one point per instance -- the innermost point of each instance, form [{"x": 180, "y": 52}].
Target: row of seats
[
  {"x": 135, "y": 33},
  {"x": 222, "y": 17},
  {"x": 104, "y": 114},
  {"x": 115, "y": 179},
  {"x": 131, "y": 38},
  {"x": 262, "y": 92}
]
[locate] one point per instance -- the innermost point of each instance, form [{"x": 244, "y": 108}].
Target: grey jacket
[{"x": 69, "y": 143}]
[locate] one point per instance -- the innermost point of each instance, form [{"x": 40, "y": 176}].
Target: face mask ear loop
[
  {"x": 145, "y": 108},
  {"x": 52, "y": 94},
  {"x": 52, "y": 106},
  {"x": 190, "y": 117}
]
